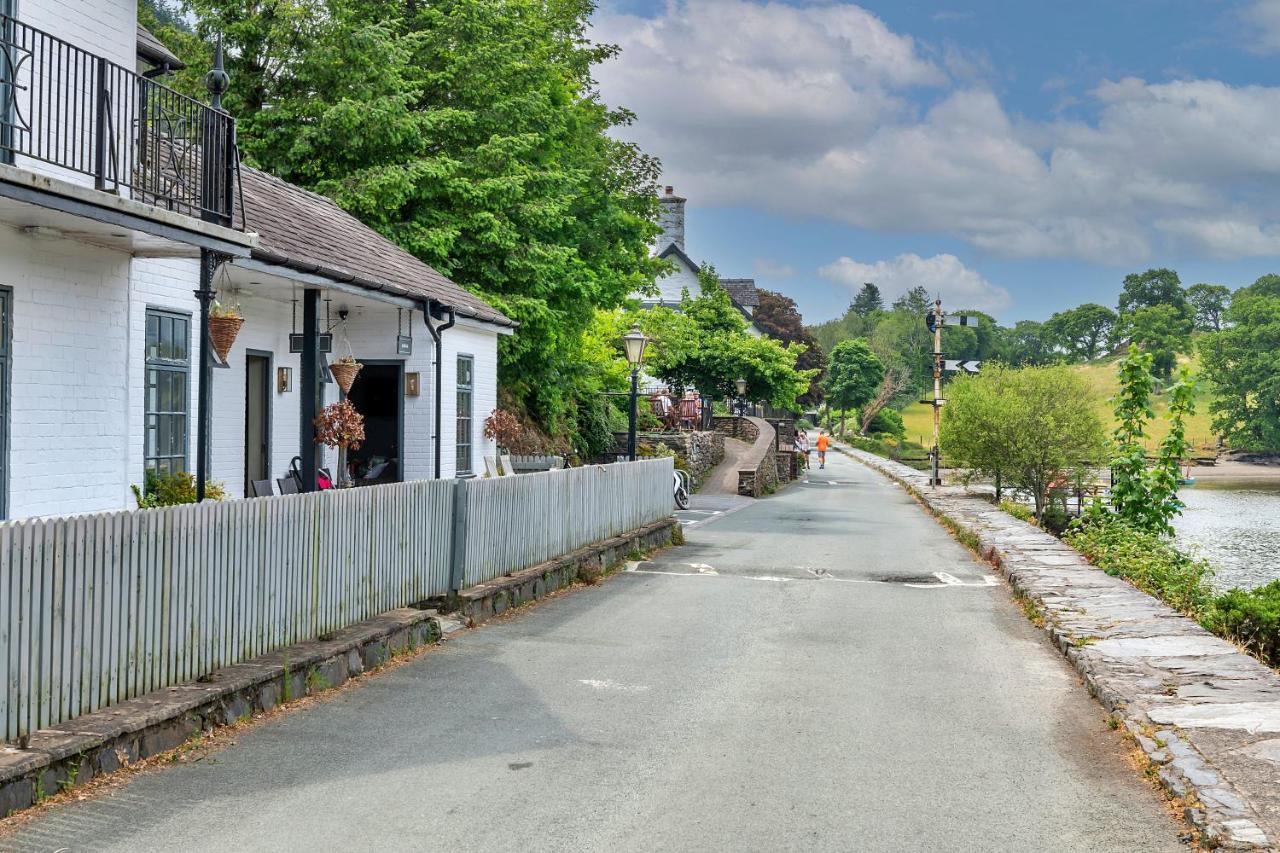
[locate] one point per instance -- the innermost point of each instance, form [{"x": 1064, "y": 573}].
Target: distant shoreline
[{"x": 1229, "y": 469}]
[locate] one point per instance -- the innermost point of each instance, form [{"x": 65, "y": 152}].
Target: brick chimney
[{"x": 671, "y": 218}]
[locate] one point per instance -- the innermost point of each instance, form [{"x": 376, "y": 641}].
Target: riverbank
[{"x": 1236, "y": 471}]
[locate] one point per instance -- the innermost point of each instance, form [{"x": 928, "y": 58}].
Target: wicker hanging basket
[
  {"x": 222, "y": 333},
  {"x": 344, "y": 373}
]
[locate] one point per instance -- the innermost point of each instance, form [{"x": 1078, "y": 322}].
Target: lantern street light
[{"x": 633, "y": 343}]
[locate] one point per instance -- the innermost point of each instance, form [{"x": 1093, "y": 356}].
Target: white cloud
[
  {"x": 765, "y": 268},
  {"x": 1262, "y": 22},
  {"x": 811, "y": 110},
  {"x": 942, "y": 275}
]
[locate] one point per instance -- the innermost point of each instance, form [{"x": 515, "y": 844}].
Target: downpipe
[{"x": 436, "y": 332}]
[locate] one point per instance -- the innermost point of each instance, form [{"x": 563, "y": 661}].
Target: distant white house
[
  {"x": 110, "y": 201},
  {"x": 670, "y": 246}
]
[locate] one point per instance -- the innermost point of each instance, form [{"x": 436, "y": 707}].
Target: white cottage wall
[
  {"x": 479, "y": 341},
  {"x": 68, "y": 396}
]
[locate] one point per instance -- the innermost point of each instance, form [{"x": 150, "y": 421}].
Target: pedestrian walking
[
  {"x": 801, "y": 447},
  {"x": 823, "y": 444}
]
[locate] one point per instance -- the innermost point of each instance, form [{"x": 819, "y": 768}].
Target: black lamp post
[
  {"x": 633, "y": 342},
  {"x": 739, "y": 403}
]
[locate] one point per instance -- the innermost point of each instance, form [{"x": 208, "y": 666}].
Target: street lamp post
[
  {"x": 739, "y": 404},
  {"x": 633, "y": 343}
]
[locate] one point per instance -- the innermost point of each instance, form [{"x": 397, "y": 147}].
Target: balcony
[{"x": 162, "y": 165}]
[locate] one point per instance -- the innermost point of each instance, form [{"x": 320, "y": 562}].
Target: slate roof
[
  {"x": 309, "y": 233},
  {"x": 153, "y": 50},
  {"x": 742, "y": 291}
]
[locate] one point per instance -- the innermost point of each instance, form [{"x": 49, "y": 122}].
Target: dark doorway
[
  {"x": 257, "y": 419},
  {"x": 377, "y": 394}
]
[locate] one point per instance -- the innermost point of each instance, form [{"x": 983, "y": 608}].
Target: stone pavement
[
  {"x": 1206, "y": 714},
  {"x": 723, "y": 479}
]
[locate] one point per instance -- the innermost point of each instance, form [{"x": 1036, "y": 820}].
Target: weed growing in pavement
[
  {"x": 74, "y": 773},
  {"x": 286, "y": 689},
  {"x": 316, "y": 681},
  {"x": 677, "y": 535},
  {"x": 39, "y": 791},
  {"x": 1029, "y": 607}
]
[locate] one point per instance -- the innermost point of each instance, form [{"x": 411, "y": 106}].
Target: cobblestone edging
[{"x": 1205, "y": 714}]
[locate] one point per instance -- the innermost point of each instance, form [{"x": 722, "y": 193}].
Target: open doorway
[
  {"x": 257, "y": 421},
  {"x": 378, "y": 395}
]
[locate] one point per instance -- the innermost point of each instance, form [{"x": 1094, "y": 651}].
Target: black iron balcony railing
[{"x": 72, "y": 109}]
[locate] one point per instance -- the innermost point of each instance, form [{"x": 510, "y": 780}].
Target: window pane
[{"x": 166, "y": 399}]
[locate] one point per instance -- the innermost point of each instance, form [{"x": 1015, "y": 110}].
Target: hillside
[{"x": 1101, "y": 375}]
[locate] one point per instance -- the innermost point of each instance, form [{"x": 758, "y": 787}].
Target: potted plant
[
  {"x": 344, "y": 372},
  {"x": 224, "y": 324},
  {"x": 340, "y": 425}
]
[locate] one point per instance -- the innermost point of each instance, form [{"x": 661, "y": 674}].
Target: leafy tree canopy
[
  {"x": 469, "y": 132},
  {"x": 1084, "y": 331},
  {"x": 779, "y": 318},
  {"x": 1031, "y": 426},
  {"x": 853, "y": 375},
  {"x": 1243, "y": 362},
  {"x": 1151, "y": 288},
  {"x": 1210, "y": 302},
  {"x": 868, "y": 301}
]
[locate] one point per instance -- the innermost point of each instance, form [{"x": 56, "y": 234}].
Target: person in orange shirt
[{"x": 823, "y": 444}]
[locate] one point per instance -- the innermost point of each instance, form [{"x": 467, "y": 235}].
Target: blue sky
[{"x": 1019, "y": 157}]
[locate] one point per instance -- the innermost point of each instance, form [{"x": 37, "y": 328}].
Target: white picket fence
[
  {"x": 516, "y": 522},
  {"x": 97, "y": 609}
]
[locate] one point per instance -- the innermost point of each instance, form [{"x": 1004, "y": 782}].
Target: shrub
[
  {"x": 1018, "y": 511},
  {"x": 1251, "y": 618},
  {"x": 173, "y": 489},
  {"x": 887, "y": 422},
  {"x": 1148, "y": 561},
  {"x": 1055, "y": 519}
]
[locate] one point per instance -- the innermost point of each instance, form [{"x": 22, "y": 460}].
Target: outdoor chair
[
  {"x": 491, "y": 467},
  {"x": 288, "y": 486},
  {"x": 261, "y": 488},
  {"x": 508, "y": 469}
]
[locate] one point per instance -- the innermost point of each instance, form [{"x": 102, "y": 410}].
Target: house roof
[
  {"x": 309, "y": 233},
  {"x": 742, "y": 291},
  {"x": 153, "y": 50}
]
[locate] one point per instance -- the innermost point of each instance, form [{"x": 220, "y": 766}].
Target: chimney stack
[{"x": 671, "y": 219}]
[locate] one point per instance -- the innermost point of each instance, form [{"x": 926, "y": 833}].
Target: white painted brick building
[{"x": 94, "y": 263}]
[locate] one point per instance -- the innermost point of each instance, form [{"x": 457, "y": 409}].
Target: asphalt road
[{"x": 796, "y": 678}]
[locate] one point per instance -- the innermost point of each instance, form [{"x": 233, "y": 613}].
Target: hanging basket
[
  {"x": 222, "y": 333},
  {"x": 344, "y": 373}
]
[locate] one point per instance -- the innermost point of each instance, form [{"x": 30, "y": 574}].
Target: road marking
[
  {"x": 945, "y": 580},
  {"x": 610, "y": 684}
]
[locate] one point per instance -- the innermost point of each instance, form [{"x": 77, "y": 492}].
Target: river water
[{"x": 1235, "y": 525}]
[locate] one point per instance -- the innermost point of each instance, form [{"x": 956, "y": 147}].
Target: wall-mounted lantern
[
  {"x": 412, "y": 384},
  {"x": 284, "y": 380}
]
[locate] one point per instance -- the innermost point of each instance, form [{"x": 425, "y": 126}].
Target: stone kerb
[{"x": 1206, "y": 715}]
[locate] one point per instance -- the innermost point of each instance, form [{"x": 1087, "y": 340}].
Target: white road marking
[
  {"x": 945, "y": 580},
  {"x": 609, "y": 684}
]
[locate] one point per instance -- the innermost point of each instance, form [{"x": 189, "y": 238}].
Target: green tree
[
  {"x": 472, "y": 134},
  {"x": 705, "y": 345},
  {"x": 1151, "y": 288},
  {"x": 1030, "y": 426},
  {"x": 914, "y": 301},
  {"x": 853, "y": 376},
  {"x": 1209, "y": 301},
  {"x": 1147, "y": 498},
  {"x": 868, "y": 301},
  {"x": 1243, "y": 363},
  {"x": 1026, "y": 344},
  {"x": 1161, "y": 330},
  {"x": 779, "y": 318},
  {"x": 902, "y": 341},
  {"x": 1083, "y": 331}
]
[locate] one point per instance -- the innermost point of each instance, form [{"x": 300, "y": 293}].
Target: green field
[{"x": 1101, "y": 375}]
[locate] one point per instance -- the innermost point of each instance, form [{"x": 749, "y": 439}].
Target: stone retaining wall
[
  {"x": 700, "y": 450},
  {"x": 1206, "y": 715}
]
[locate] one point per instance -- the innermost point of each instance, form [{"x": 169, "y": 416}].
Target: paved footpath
[{"x": 824, "y": 670}]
